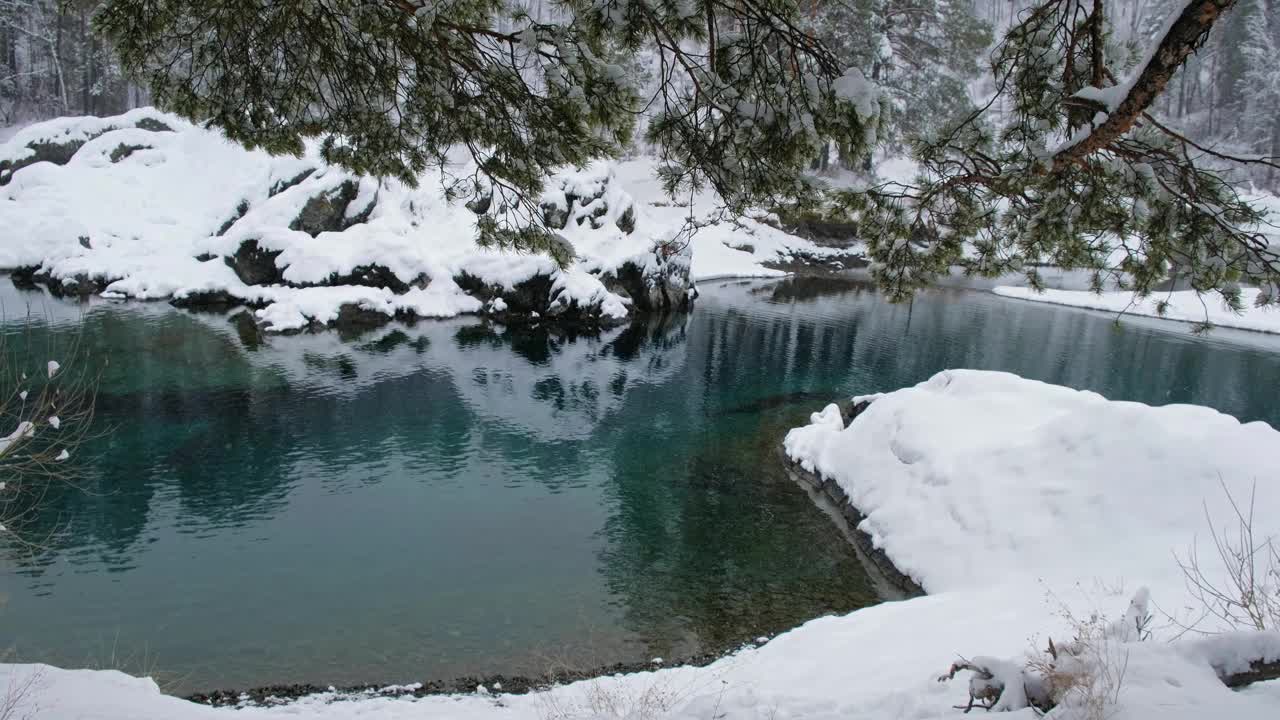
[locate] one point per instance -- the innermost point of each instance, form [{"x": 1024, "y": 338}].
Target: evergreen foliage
[
  {"x": 393, "y": 87},
  {"x": 1077, "y": 175},
  {"x": 1114, "y": 137},
  {"x": 922, "y": 52}
]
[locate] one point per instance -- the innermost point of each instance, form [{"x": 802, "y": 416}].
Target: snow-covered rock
[
  {"x": 974, "y": 477},
  {"x": 978, "y": 481},
  {"x": 148, "y": 206}
]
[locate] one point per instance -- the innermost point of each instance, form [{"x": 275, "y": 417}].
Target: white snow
[
  {"x": 857, "y": 89},
  {"x": 994, "y": 492},
  {"x": 24, "y": 430},
  {"x": 1019, "y": 479},
  {"x": 722, "y": 248},
  {"x": 142, "y": 221},
  {"x": 1181, "y": 305}
]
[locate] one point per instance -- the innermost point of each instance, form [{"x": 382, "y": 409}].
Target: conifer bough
[
  {"x": 742, "y": 97},
  {"x": 1079, "y": 175}
]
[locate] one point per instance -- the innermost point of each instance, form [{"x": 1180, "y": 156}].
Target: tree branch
[{"x": 1184, "y": 37}]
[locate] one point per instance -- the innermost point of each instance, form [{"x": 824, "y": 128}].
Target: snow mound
[
  {"x": 148, "y": 206},
  {"x": 973, "y": 478}
]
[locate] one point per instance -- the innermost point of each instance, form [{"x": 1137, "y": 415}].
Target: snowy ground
[
  {"x": 1007, "y": 499},
  {"x": 1182, "y": 305},
  {"x": 150, "y": 212}
]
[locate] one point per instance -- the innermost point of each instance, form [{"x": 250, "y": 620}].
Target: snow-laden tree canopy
[
  {"x": 1078, "y": 173},
  {"x": 743, "y": 100},
  {"x": 1066, "y": 163}
]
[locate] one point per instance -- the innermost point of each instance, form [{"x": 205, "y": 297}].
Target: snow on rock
[
  {"x": 972, "y": 478},
  {"x": 721, "y": 247},
  {"x": 978, "y": 481},
  {"x": 1232, "y": 652},
  {"x": 1180, "y": 305},
  {"x": 148, "y": 206}
]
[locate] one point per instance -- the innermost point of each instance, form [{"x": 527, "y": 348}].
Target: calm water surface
[{"x": 454, "y": 498}]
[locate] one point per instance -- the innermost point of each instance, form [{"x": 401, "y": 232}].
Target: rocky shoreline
[
  {"x": 506, "y": 684},
  {"x": 849, "y": 518},
  {"x": 205, "y": 224}
]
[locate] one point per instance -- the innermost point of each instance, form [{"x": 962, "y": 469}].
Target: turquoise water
[{"x": 450, "y": 498}]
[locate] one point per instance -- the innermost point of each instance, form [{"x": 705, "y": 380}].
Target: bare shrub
[
  {"x": 46, "y": 413},
  {"x": 1243, "y": 590},
  {"x": 18, "y": 700},
  {"x": 605, "y": 699}
]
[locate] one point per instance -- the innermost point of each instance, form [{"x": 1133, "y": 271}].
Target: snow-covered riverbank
[
  {"x": 1007, "y": 499},
  {"x": 148, "y": 206},
  {"x": 1182, "y": 305}
]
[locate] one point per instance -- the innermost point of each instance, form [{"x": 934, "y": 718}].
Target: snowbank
[
  {"x": 148, "y": 206},
  {"x": 991, "y": 490},
  {"x": 972, "y": 478},
  {"x": 1180, "y": 305},
  {"x": 982, "y": 480}
]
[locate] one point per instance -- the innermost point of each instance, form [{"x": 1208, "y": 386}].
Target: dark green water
[{"x": 448, "y": 499}]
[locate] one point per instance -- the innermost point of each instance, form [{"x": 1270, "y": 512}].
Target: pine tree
[
  {"x": 1075, "y": 169},
  {"x": 922, "y": 52},
  {"x": 390, "y": 88},
  {"x": 1080, "y": 175}
]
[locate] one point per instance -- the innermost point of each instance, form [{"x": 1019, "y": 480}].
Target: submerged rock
[
  {"x": 206, "y": 299},
  {"x": 354, "y": 320}
]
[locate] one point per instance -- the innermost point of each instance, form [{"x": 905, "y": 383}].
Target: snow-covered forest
[{"x": 54, "y": 64}]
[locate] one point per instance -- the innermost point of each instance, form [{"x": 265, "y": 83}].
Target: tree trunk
[
  {"x": 1273, "y": 178},
  {"x": 56, "y": 48},
  {"x": 86, "y": 70}
]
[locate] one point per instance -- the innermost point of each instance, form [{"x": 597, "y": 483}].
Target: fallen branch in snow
[
  {"x": 984, "y": 689},
  {"x": 1088, "y": 672},
  {"x": 1085, "y": 673},
  {"x": 1259, "y": 671}
]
